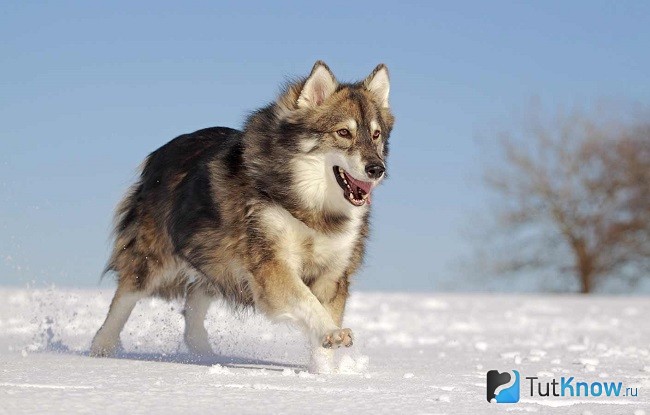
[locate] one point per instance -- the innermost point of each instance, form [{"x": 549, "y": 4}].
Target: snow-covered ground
[{"x": 415, "y": 353}]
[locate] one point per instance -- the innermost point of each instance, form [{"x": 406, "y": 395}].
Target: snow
[{"x": 413, "y": 353}]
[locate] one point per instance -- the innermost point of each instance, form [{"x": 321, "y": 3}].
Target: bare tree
[{"x": 574, "y": 193}]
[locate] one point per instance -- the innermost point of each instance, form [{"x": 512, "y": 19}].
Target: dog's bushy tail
[{"x": 124, "y": 227}]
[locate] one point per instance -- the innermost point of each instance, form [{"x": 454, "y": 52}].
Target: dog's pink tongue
[{"x": 365, "y": 186}]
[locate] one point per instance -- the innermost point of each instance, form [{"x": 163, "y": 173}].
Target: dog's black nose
[{"x": 375, "y": 171}]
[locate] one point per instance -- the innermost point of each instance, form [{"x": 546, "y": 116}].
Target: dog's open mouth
[{"x": 355, "y": 191}]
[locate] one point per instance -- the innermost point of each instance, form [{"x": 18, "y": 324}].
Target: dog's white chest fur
[{"x": 305, "y": 249}]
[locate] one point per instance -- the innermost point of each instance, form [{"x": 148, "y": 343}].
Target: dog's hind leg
[
  {"x": 107, "y": 339},
  {"x": 197, "y": 303}
]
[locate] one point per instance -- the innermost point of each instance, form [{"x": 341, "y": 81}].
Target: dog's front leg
[
  {"x": 281, "y": 294},
  {"x": 333, "y": 294}
]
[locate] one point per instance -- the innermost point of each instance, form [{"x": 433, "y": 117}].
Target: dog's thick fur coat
[{"x": 274, "y": 217}]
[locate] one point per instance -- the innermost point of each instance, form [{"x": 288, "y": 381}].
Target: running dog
[{"x": 274, "y": 217}]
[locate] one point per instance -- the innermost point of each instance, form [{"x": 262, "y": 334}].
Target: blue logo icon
[{"x": 502, "y": 387}]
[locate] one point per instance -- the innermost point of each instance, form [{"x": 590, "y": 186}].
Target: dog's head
[{"x": 339, "y": 135}]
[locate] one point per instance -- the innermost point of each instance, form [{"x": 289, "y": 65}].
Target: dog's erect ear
[
  {"x": 378, "y": 83},
  {"x": 318, "y": 87}
]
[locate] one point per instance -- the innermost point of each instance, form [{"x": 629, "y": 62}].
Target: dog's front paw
[{"x": 337, "y": 338}]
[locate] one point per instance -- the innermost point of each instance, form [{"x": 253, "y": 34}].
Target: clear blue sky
[{"x": 88, "y": 89}]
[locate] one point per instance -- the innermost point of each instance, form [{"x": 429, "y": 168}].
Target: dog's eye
[
  {"x": 343, "y": 132},
  {"x": 376, "y": 134}
]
